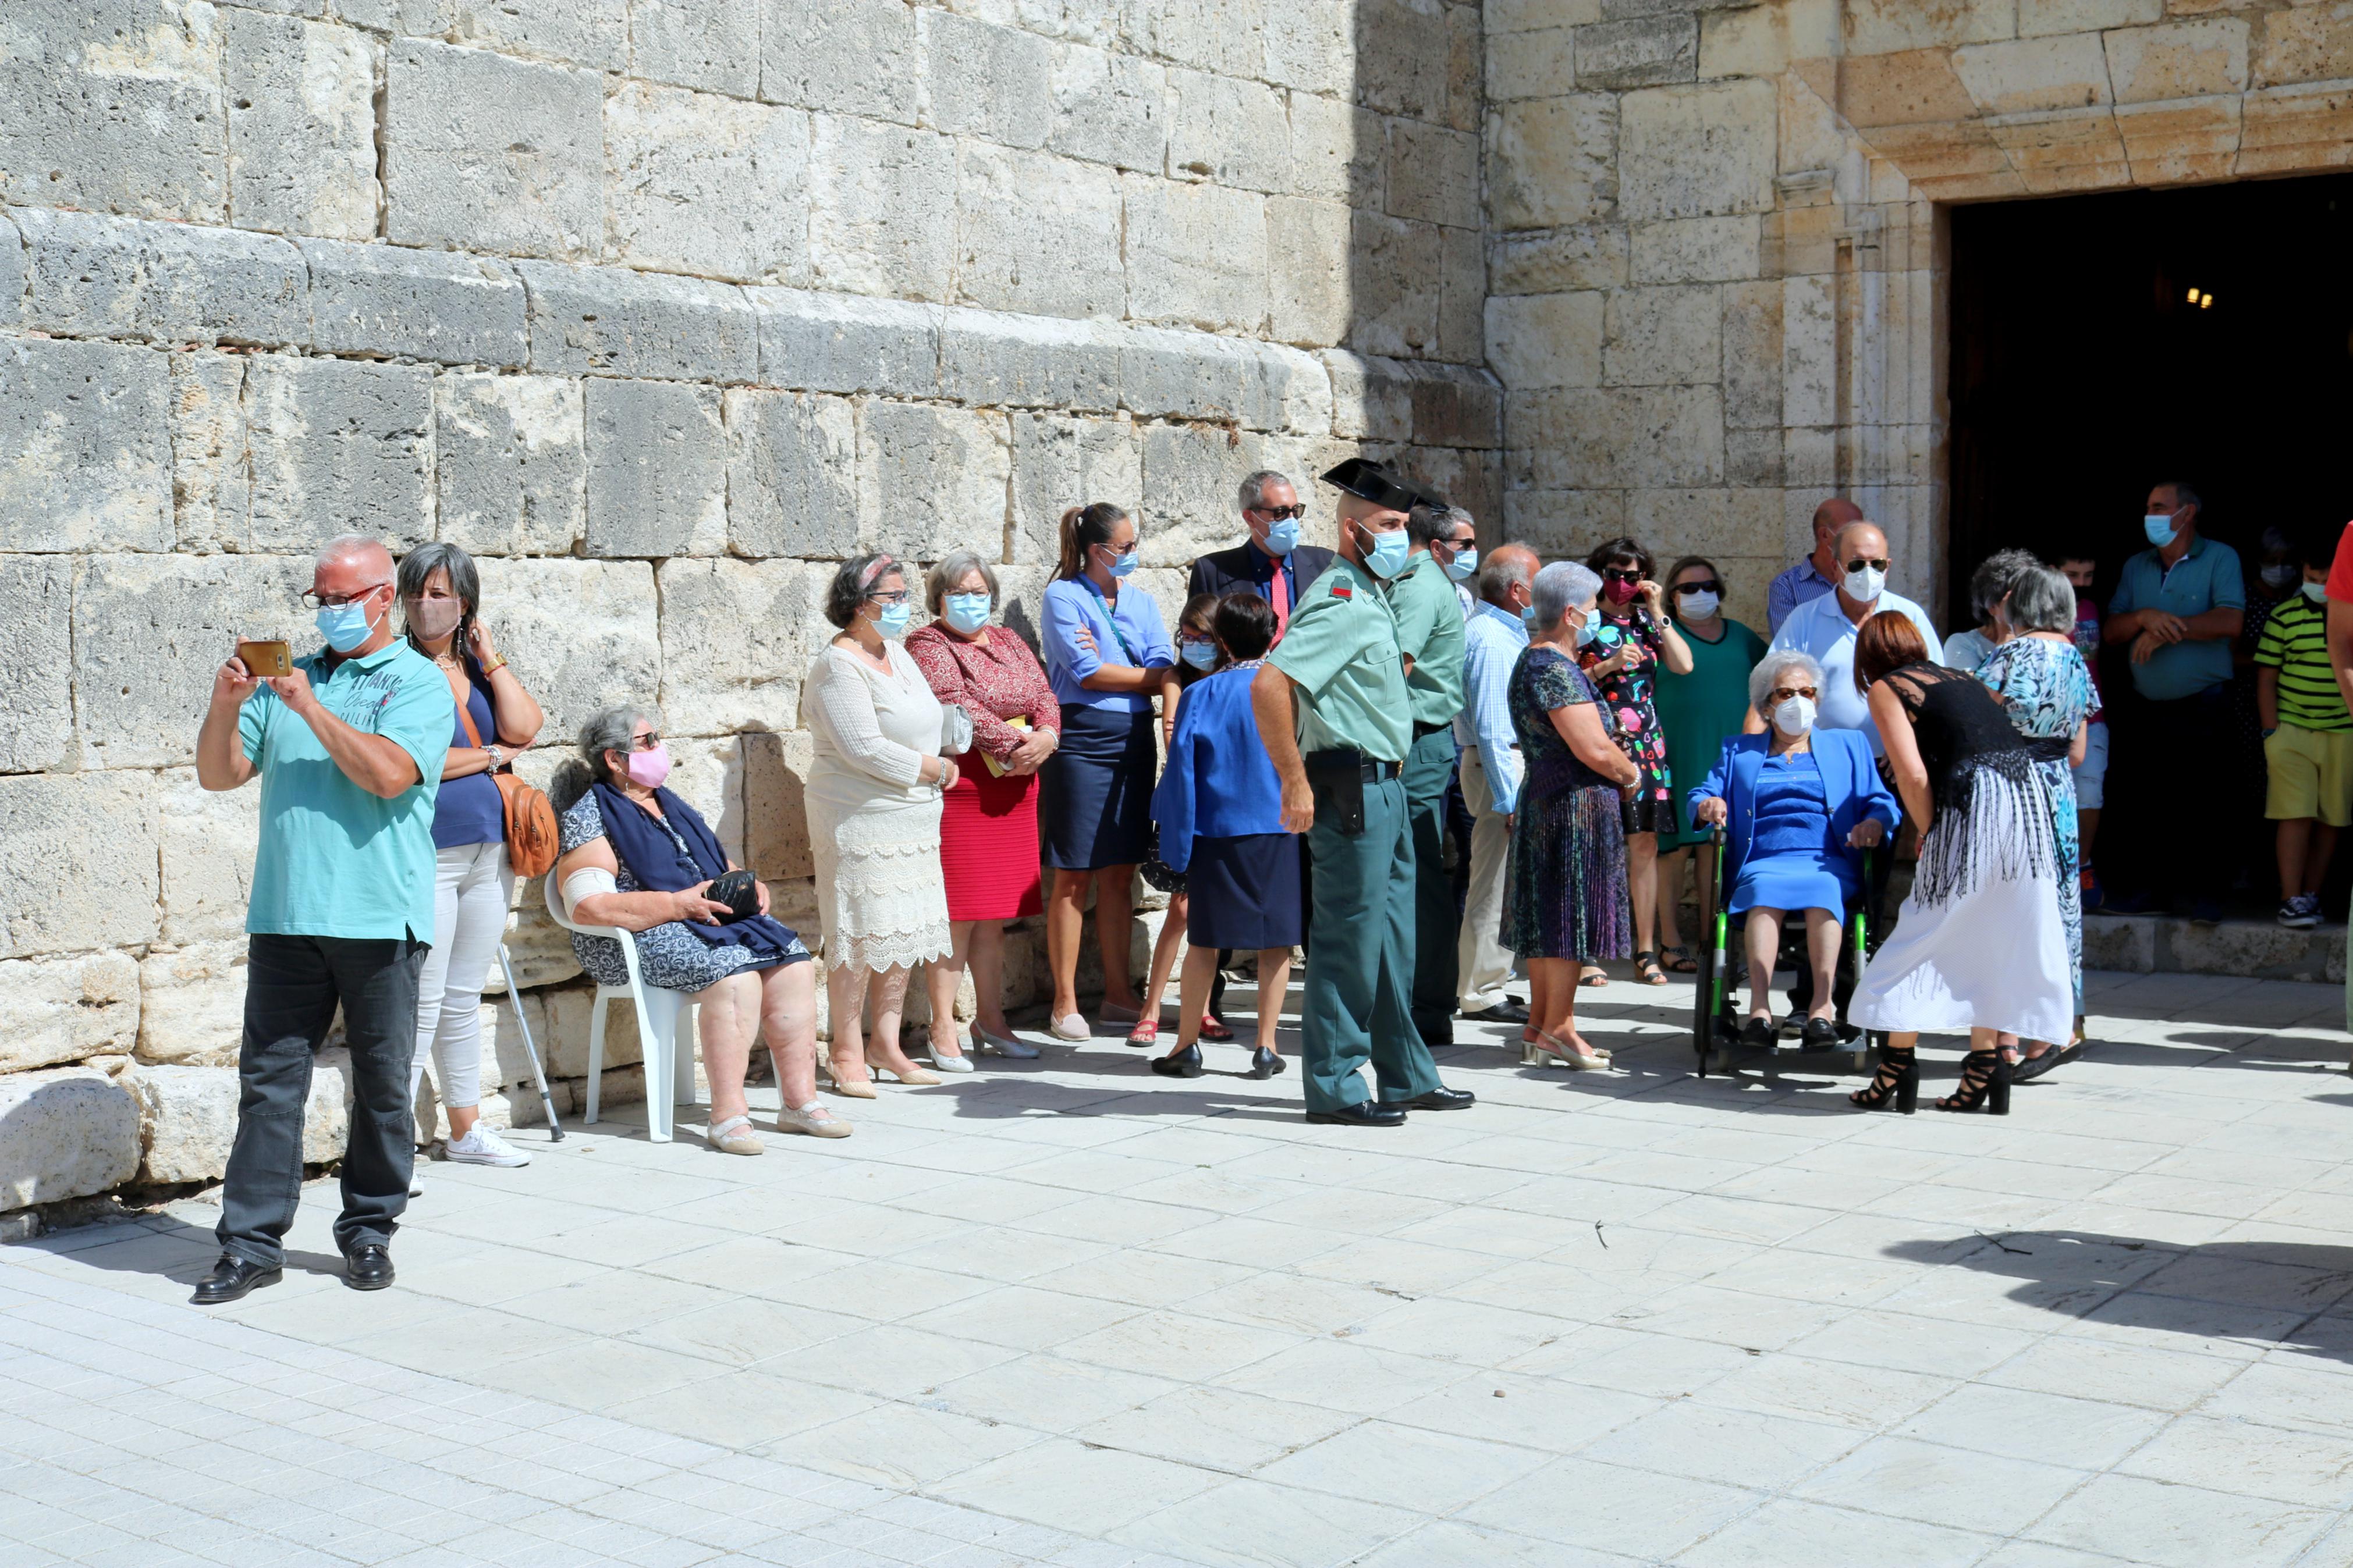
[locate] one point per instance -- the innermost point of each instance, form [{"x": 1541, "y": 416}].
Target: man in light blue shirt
[
  {"x": 1494, "y": 639},
  {"x": 349, "y": 749},
  {"x": 1817, "y": 574},
  {"x": 1825, "y": 629}
]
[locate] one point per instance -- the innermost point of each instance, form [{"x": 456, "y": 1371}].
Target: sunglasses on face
[
  {"x": 1620, "y": 575},
  {"x": 648, "y": 741},
  {"x": 1859, "y": 563},
  {"x": 1710, "y": 587},
  {"x": 1783, "y": 693},
  {"x": 1467, "y": 541},
  {"x": 1280, "y": 513}
]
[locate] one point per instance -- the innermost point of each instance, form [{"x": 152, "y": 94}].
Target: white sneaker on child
[{"x": 480, "y": 1146}]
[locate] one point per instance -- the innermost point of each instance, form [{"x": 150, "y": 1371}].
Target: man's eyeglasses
[
  {"x": 1784, "y": 693},
  {"x": 314, "y": 600},
  {"x": 1859, "y": 563},
  {"x": 1620, "y": 575},
  {"x": 1710, "y": 587},
  {"x": 1280, "y": 513}
]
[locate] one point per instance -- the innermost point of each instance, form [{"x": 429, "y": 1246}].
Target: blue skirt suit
[{"x": 1786, "y": 832}]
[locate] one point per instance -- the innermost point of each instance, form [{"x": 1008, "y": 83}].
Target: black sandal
[
  {"x": 1679, "y": 959},
  {"x": 1646, "y": 968},
  {"x": 1898, "y": 1079},
  {"x": 1984, "y": 1081}
]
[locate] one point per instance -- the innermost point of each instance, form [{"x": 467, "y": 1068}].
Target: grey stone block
[
  {"x": 1166, "y": 373},
  {"x": 931, "y": 479},
  {"x": 55, "y": 1010},
  {"x": 339, "y": 447},
  {"x": 94, "y": 276},
  {"x": 792, "y": 466},
  {"x": 847, "y": 344},
  {"x": 302, "y": 126},
  {"x": 85, "y": 447},
  {"x": 657, "y": 469},
  {"x": 857, "y": 57},
  {"x": 36, "y": 686},
  {"x": 1640, "y": 51},
  {"x": 1402, "y": 51},
  {"x": 736, "y": 639},
  {"x": 984, "y": 81},
  {"x": 207, "y": 839},
  {"x": 114, "y": 106},
  {"x": 1195, "y": 254},
  {"x": 484, "y": 152},
  {"x": 401, "y": 303},
  {"x": 1461, "y": 295},
  {"x": 69, "y": 1132},
  {"x": 191, "y": 1000},
  {"x": 623, "y": 323},
  {"x": 592, "y": 33},
  {"x": 80, "y": 849},
  {"x": 510, "y": 463},
  {"x": 875, "y": 195},
  {"x": 212, "y": 487},
  {"x": 583, "y": 633},
  {"x": 1397, "y": 265},
  {"x": 422, "y": 18},
  {"x": 1058, "y": 462},
  {"x": 699, "y": 183},
  {"x": 708, "y": 44},
  {"x": 1372, "y": 398},
  {"x": 12, "y": 272},
  {"x": 1038, "y": 233},
  {"x": 1454, "y": 406},
  {"x": 1311, "y": 291},
  {"x": 1433, "y": 173},
  {"x": 991, "y": 358},
  {"x": 1109, "y": 109},
  {"x": 1233, "y": 131},
  {"x": 1189, "y": 475}
]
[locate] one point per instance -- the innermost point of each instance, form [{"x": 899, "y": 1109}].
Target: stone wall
[{"x": 659, "y": 308}]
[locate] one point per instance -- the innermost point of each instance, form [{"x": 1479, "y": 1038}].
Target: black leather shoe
[
  {"x": 368, "y": 1268},
  {"x": 231, "y": 1277},
  {"x": 1440, "y": 1099},
  {"x": 1504, "y": 1012},
  {"x": 1819, "y": 1035},
  {"x": 1758, "y": 1034},
  {"x": 1265, "y": 1064},
  {"x": 1182, "y": 1063},
  {"x": 1435, "y": 1031},
  {"x": 1364, "y": 1114}
]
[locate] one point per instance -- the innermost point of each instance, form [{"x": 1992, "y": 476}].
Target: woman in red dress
[{"x": 988, "y": 824}]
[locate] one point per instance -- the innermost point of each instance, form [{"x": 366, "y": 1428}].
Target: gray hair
[
  {"x": 416, "y": 568},
  {"x": 1502, "y": 569},
  {"x": 613, "y": 729},
  {"x": 2042, "y": 600},
  {"x": 1561, "y": 587},
  {"x": 1993, "y": 578},
  {"x": 1252, "y": 490},
  {"x": 352, "y": 547},
  {"x": 954, "y": 568},
  {"x": 1763, "y": 678}
]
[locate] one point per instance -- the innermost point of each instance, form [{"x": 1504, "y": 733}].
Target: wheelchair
[{"x": 1716, "y": 1016}]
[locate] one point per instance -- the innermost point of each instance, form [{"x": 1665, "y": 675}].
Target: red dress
[{"x": 988, "y": 824}]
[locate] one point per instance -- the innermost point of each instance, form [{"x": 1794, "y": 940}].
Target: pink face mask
[
  {"x": 433, "y": 617},
  {"x": 649, "y": 769},
  {"x": 1619, "y": 593}
]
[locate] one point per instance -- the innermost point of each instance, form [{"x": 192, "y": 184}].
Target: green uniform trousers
[
  {"x": 1360, "y": 957},
  {"x": 1428, "y": 768}
]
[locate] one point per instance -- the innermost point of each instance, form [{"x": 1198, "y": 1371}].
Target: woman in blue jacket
[{"x": 1795, "y": 803}]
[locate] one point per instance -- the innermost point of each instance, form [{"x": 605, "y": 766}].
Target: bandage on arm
[{"x": 586, "y": 883}]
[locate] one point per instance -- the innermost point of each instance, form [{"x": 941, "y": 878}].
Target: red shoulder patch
[{"x": 1341, "y": 590}]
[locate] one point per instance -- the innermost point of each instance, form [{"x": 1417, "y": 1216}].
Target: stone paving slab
[{"x": 1068, "y": 1312}]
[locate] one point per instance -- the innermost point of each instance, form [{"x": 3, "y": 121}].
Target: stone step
[{"x": 2248, "y": 949}]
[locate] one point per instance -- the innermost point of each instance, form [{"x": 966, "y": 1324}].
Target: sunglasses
[
  {"x": 1783, "y": 693},
  {"x": 1620, "y": 575},
  {"x": 648, "y": 741},
  {"x": 1709, "y": 586},
  {"x": 1859, "y": 563},
  {"x": 1280, "y": 513}
]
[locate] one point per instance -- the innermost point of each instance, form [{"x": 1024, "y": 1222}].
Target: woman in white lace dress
[{"x": 874, "y": 798}]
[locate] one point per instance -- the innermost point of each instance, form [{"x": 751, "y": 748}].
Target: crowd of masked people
[{"x": 1287, "y": 764}]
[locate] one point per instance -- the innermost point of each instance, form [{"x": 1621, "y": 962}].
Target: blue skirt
[
  {"x": 1243, "y": 892},
  {"x": 1094, "y": 793},
  {"x": 1794, "y": 879}
]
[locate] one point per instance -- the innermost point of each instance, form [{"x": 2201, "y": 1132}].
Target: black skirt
[
  {"x": 1244, "y": 892},
  {"x": 1094, "y": 793}
]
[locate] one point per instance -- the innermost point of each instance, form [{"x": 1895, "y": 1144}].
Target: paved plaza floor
[{"x": 1069, "y": 1312}]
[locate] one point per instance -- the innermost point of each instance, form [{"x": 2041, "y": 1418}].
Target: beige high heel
[
  {"x": 851, "y": 1087},
  {"x": 1565, "y": 1052},
  {"x": 914, "y": 1077}
]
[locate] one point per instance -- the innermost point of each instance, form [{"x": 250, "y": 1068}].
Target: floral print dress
[
  {"x": 1628, "y": 695},
  {"x": 2046, "y": 688}
]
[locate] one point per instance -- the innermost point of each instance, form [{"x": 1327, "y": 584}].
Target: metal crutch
[{"x": 538, "y": 1073}]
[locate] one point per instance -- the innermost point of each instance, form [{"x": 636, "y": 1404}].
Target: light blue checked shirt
[{"x": 1494, "y": 641}]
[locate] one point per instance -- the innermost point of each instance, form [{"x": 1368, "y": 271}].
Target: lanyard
[{"x": 1112, "y": 615}]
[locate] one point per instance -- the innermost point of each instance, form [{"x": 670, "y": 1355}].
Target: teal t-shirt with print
[{"x": 335, "y": 860}]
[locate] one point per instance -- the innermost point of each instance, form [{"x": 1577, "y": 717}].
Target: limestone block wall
[{"x": 659, "y": 308}]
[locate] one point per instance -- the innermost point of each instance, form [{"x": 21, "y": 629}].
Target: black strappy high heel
[
  {"x": 1898, "y": 1080},
  {"x": 1985, "y": 1080}
]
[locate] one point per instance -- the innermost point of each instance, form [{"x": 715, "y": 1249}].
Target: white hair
[
  {"x": 1766, "y": 675},
  {"x": 1561, "y": 587}
]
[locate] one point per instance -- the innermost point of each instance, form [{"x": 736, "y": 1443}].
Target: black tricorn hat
[{"x": 1362, "y": 477}]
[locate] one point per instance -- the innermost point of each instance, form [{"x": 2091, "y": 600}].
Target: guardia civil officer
[
  {"x": 1334, "y": 713},
  {"x": 1429, "y": 614}
]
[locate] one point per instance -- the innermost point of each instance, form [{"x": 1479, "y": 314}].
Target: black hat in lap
[{"x": 1374, "y": 482}]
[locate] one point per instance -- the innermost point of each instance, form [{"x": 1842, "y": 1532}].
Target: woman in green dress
[{"x": 1696, "y": 712}]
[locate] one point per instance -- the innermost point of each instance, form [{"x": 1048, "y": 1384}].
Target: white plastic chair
[{"x": 665, "y": 1025}]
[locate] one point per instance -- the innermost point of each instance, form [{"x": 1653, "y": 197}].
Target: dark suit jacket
[{"x": 1223, "y": 571}]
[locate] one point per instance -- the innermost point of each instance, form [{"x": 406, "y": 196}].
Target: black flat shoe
[
  {"x": 367, "y": 1268},
  {"x": 1504, "y": 1012},
  {"x": 1440, "y": 1098},
  {"x": 1265, "y": 1064},
  {"x": 2029, "y": 1068},
  {"x": 1819, "y": 1035},
  {"x": 1366, "y": 1114},
  {"x": 1183, "y": 1062},
  {"x": 1759, "y": 1035},
  {"x": 231, "y": 1277}
]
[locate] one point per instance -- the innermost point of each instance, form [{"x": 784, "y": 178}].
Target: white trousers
[
  {"x": 473, "y": 887},
  {"x": 1482, "y": 962}
]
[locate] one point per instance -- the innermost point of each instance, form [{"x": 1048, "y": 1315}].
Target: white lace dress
[{"x": 875, "y": 830}]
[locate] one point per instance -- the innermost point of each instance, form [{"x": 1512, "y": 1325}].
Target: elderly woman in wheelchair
[{"x": 1798, "y": 805}]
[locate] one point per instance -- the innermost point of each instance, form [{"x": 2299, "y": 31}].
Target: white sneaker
[{"x": 480, "y": 1146}]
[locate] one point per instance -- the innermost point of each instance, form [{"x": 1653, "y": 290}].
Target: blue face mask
[
  {"x": 1121, "y": 566},
  {"x": 1465, "y": 562},
  {"x": 1200, "y": 654},
  {"x": 1528, "y": 617},
  {"x": 1282, "y": 536},
  {"x": 892, "y": 621},
  {"x": 1586, "y": 633},
  {"x": 344, "y": 626},
  {"x": 2160, "y": 529},
  {"x": 1388, "y": 555},
  {"x": 967, "y": 613}
]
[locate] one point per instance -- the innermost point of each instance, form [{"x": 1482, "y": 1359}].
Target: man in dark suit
[{"x": 1271, "y": 562}]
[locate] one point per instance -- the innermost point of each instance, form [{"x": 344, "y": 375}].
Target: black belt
[
  {"x": 1372, "y": 769},
  {"x": 1421, "y": 731}
]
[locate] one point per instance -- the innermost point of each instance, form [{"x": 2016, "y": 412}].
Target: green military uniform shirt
[
  {"x": 1340, "y": 650},
  {"x": 1429, "y": 615}
]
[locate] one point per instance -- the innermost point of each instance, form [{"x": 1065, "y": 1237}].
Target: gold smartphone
[{"x": 260, "y": 659}]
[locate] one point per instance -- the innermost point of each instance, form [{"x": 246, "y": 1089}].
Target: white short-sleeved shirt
[{"x": 1819, "y": 628}]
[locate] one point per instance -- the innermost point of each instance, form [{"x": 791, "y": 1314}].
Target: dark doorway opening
[{"x": 2081, "y": 374}]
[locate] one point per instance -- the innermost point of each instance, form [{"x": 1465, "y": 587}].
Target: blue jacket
[{"x": 1850, "y": 782}]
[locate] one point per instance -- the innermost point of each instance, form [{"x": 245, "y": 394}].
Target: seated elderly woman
[
  {"x": 637, "y": 856},
  {"x": 1795, "y": 803}
]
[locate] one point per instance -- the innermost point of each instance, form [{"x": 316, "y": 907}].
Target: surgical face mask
[
  {"x": 345, "y": 626},
  {"x": 433, "y": 618},
  {"x": 892, "y": 621},
  {"x": 1528, "y": 617},
  {"x": 1795, "y": 717},
  {"x": 2277, "y": 575},
  {"x": 2316, "y": 591},
  {"x": 649, "y": 769},
  {"x": 967, "y": 613},
  {"x": 2158, "y": 526},
  {"x": 1465, "y": 562},
  {"x": 1199, "y": 655},
  {"x": 1282, "y": 536},
  {"x": 1586, "y": 630},
  {"x": 1863, "y": 587},
  {"x": 1387, "y": 554},
  {"x": 1701, "y": 606},
  {"x": 1121, "y": 566}
]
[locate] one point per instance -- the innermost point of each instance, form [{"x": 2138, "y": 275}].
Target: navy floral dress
[
  {"x": 1628, "y": 697},
  {"x": 2046, "y": 690},
  {"x": 1565, "y": 882}
]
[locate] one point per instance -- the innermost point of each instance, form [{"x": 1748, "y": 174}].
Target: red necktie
[{"x": 1282, "y": 592}]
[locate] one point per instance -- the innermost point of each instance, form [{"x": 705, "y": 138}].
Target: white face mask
[
  {"x": 1795, "y": 717},
  {"x": 1700, "y": 606},
  {"x": 1863, "y": 587}
]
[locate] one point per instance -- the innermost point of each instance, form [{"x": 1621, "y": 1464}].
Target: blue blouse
[
  {"x": 1219, "y": 781},
  {"x": 1132, "y": 636},
  {"x": 468, "y": 810},
  {"x": 1793, "y": 810}
]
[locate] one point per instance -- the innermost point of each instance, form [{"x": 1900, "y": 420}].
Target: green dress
[{"x": 1697, "y": 711}]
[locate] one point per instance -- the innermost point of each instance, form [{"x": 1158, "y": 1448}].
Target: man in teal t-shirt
[{"x": 349, "y": 749}]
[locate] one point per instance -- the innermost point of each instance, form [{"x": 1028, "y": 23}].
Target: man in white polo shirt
[{"x": 1825, "y": 629}]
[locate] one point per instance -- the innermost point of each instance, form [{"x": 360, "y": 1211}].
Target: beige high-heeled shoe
[
  {"x": 1565, "y": 1051},
  {"x": 851, "y": 1087},
  {"x": 914, "y": 1077}
]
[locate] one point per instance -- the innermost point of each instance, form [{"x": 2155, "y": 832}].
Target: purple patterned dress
[{"x": 1565, "y": 883}]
